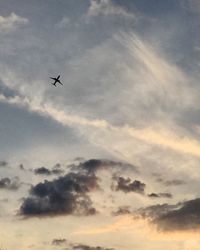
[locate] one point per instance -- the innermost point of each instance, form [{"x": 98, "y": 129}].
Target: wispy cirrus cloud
[{"x": 151, "y": 84}]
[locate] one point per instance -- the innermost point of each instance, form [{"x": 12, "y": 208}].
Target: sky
[{"x": 110, "y": 160}]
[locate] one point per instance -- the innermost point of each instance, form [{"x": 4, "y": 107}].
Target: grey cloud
[
  {"x": 42, "y": 171},
  {"x": 21, "y": 167},
  {"x": 73, "y": 246},
  {"x": 86, "y": 247},
  {"x": 58, "y": 165},
  {"x": 122, "y": 210},
  {"x": 10, "y": 184},
  {"x": 160, "y": 195},
  {"x": 65, "y": 195},
  {"x": 59, "y": 242},
  {"x": 46, "y": 171},
  {"x": 57, "y": 171},
  {"x": 93, "y": 165},
  {"x": 3, "y": 163},
  {"x": 174, "y": 182},
  {"x": 182, "y": 216},
  {"x": 127, "y": 185},
  {"x": 156, "y": 210}
]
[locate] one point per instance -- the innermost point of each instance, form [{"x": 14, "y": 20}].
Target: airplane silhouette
[{"x": 56, "y": 80}]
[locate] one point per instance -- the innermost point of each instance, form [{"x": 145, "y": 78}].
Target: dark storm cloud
[
  {"x": 182, "y": 216},
  {"x": 93, "y": 165},
  {"x": 160, "y": 195},
  {"x": 59, "y": 242},
  {"x": 65, "y": 195},
  {"x": 10, "y": 184},
  {"x": 127, "y": 185}
]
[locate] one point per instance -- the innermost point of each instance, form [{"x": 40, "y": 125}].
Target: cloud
[
  {"x": 86, "y": 247},
  {"x": 46, "y": 171},
  {"x": 122, "y": 210},
  {"x": 180, "y": 217},
  {"x": 3, "y": 163},
  {"x": 46, "y": 109},
  {"x": 59, "y": 242},
  {"x": 160, "y": 195},
  {"x": 42, "y": 171},
  {"x": 93, "y": 165},
  {"x": 10, "y": 184},
  {"x": 11, "y": 22},
  {"x": 175, "y": 182},
  {"x": 126, "y": 185},
  {"x": 65, "y": 195},
  {"x": 73, "y": 246},
  {"x": 151, "y": 87},
  {"x": 107, "y": 7},
  {"x": 21, "y": 167}
]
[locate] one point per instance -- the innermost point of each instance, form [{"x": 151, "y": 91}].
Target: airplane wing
[
  {"x": 60, "y": 82},
  {"x": 58, "y": 77},
  {"x": 53, "y": 78}
]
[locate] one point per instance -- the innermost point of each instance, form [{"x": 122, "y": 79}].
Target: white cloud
[
  {"x": 106, "y": 7},
  {"x": 11, "y": 22}
]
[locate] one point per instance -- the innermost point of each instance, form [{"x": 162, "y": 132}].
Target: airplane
[{"x": 56, "y": 80}]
